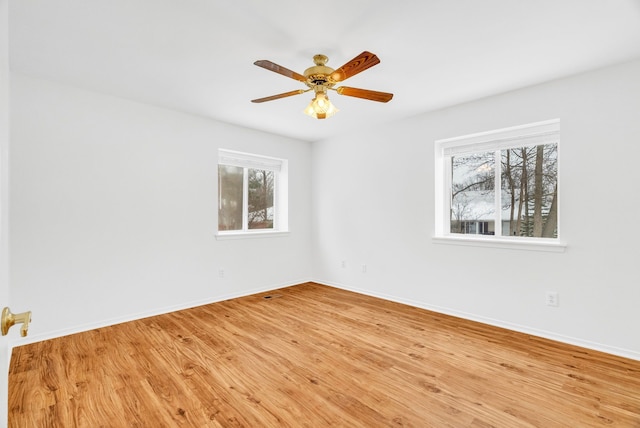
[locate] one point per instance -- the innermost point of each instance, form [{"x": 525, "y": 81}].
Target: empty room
[{"x": 351, "y": 214}]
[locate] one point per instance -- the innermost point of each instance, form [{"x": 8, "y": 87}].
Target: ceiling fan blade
[
  {"x": 382, "y": 97},
  {"x": 275, "y": 97},
  {"x": 280, "y": 70},
  {"x": 358, "y": 64}
]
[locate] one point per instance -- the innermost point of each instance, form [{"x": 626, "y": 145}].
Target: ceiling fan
[{"x": 321, "y": 78}]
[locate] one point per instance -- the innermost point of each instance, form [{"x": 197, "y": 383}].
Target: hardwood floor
[{"x": 316, "y": 356}]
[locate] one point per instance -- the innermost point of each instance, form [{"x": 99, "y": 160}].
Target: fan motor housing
[{"x": 318, "y": 75}]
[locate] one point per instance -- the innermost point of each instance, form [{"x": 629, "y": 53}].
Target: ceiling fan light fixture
[
  {"x": 321, "y": 78},
  {"x": 320, "y": 107}
]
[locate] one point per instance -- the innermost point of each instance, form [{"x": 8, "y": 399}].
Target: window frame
[
  {"x": 528, "y": 135},
  {"x": 280, "y": 189}
]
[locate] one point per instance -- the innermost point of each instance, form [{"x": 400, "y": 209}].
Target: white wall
[
  {"x": 4, "y": 199},
  {"x": 374, "y": 205},
  {"x": 113, "y": 210},
  {"x": 4, "y": 151}
]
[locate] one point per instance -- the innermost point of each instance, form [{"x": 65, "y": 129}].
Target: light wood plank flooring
[{"x": 315, "y": 356}]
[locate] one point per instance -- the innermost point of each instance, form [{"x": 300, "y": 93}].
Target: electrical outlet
[
  {"x": 220, "y": 273},
  {"x": 364, "y": 268},
  {"x": 552, "y": 298},
  {"x": 343, "y": 264}
]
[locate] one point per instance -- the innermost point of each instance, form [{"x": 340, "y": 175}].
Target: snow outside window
[
  {"x": 499, "y": 186},
  {"x": 252, "y": 194}
]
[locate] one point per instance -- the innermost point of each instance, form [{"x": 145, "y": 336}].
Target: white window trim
[
  {"x": 252, "y": 234},
  {"x": 523, "y": 135},
  {"x": 530, "y": 244},
  {"x": 281, "y": 193}
]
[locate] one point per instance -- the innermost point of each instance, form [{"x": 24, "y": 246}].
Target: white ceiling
[{"x": 197, "y": 56}]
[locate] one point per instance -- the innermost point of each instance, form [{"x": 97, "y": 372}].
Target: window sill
[
  {"x": 222, "y": 236},
  {"x": 508, "y": 243}
]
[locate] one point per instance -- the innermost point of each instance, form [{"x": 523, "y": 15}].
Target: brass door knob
[{"x": 9, "y": 319}]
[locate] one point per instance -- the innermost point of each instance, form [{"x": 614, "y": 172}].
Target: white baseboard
[
  {"x": 626, "y": 353},
  {"x": 140, "y": 315},
  {"x": 219, "y": 298}
]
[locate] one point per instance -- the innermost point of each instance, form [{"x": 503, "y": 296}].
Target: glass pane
[
  {"x": 530, "y": 191},
  {"x": 230, "y": 190},
  {"x": 473, "y": 194},
  {"x": 260, "y": 199}
]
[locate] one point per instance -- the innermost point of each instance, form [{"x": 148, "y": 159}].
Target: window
[
  {"x": 499, "y": 185},
  {"x": 252, "y": 193}
]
